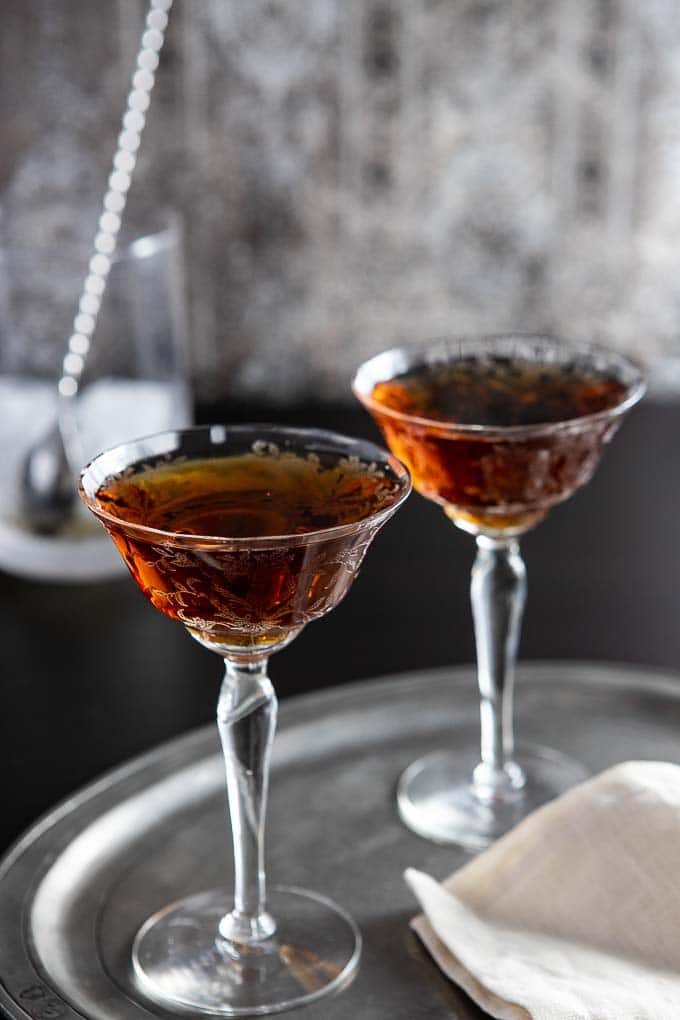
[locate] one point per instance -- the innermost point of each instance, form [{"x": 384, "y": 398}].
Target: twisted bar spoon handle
[{"x": 47, "y": 487}]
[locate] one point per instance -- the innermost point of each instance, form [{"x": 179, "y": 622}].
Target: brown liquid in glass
[
  {"x": 498, "y": 483},
  {"x": 245, "y": 597}
]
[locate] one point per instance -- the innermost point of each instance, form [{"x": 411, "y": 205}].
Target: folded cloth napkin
[{"x": 575, "y": 914}]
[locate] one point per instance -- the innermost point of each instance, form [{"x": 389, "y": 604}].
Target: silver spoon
[
  {"x": 47, "y": 481},
  {"x": 47, "y": 487}
]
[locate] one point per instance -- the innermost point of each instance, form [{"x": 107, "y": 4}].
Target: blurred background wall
[{"x": 357, "y": 173}]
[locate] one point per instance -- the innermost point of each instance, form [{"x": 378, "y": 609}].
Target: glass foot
[
  {"x": 180, "y": 964},
  {"x": 436, "y": 798}
]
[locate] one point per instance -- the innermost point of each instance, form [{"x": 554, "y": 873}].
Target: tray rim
[{"x": 608, "y": 674}]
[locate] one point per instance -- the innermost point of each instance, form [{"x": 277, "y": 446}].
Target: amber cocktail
[
  {"x": 245, "y": 534},
  {"x": 497, "y": 431}
]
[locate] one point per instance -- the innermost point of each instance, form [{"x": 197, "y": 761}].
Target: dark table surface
[{"x": 92, "y": 675}]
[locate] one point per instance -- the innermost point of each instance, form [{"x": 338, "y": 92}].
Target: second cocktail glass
[
  {"x": 244, "y": 534},
  {"x": 496, "y": 430}
]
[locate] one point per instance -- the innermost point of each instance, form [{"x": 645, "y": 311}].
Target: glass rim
[
  {"x": 164, "y": 234},
  {"x": 345, "y": 445},
  {"x": 416, "y": 354}
]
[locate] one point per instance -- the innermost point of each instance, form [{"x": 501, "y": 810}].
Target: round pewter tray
[{"x": 78, "y": 885}]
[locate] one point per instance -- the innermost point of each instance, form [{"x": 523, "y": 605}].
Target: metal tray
[{"x": 77, "y": 886}]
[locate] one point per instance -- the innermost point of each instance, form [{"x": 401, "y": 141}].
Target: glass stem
[
  {"x": 246, "y": 719},
  {"x": 498, "y": 594}
]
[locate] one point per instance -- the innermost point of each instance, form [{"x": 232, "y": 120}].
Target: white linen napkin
[{"x": 575, "y": 913}]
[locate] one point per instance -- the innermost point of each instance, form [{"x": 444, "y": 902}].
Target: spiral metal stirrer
[{"x": 47, "y": 479}]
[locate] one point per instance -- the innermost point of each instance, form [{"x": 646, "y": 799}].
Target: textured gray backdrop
[{"x": 356, "y": 173}]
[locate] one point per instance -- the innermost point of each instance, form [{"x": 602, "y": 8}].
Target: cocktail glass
[
  {"x": 260, "y": 951},
  {"x": 496, "y": 483}
]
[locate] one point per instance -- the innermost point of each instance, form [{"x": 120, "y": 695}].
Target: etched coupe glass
[
  {"x": 245, "y": 534},
  {"x": 497, "y": 431}
]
